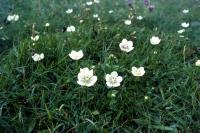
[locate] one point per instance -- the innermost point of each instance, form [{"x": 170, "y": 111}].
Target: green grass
[{"x": 44, "y": 97}]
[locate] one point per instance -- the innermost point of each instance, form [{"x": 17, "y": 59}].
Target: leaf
[
  {"x": 48, "y": 112},
  {"x": 96, "y": 112},
  {"x": 163, "y": 128},
  {"x": 57, "y": 127},
  {"x": 31, "y": 126}
]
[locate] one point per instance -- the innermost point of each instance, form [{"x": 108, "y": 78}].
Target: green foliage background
[{"x": 44, "y": 97}]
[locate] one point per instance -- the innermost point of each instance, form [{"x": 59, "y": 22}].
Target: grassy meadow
[{"x": 44, "y": 88}]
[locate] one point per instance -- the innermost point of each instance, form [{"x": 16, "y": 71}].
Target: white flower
[
  {"x": 14, "y": 17},
  {"x": 126, "y": 46},
  {"x": 127, "y": 22},
  {"x": 95, "y": 16},
  {"x": 10, "y": 18},
  {"x": 197, "y": 63},
  {"x": 47, "y": 25},
  {"x": 113, "y": 80},
  {"x": 81, "y": 21},
  {"x": 69, "y": 11},
  {"x": 76, "y": 55},
  {"x": 181, "y": 36},
  {"x": 181, "y": 31},
  {"x": 112, "y": 56},
  {"x": 111, "y": 11},
  {"x": 96, "y": 1},
  {"x": 138, "y": 71},
  {"x": 70, "y": 29},
  {"x": 89, "y": 3},
  {"x": 87, "y": 9},
  {"x": 113, "y": 94},
  {"x": 185, "y": 11},
  {"x": 86, "y": 77},
  {"x": 37, "y": 57},
  {"x": 146, "y": 97},
  {"x": 139, "y": 17},
  {"x": 155, "y": 52},
  {"x": 1, "y": 27},
  {"x": 35, "y": 38},
  {"x": 185, "y": 25},
  {"x": 155, "y": 40}
]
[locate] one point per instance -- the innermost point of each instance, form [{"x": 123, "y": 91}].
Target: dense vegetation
[{"x": 44, "y": 96}]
